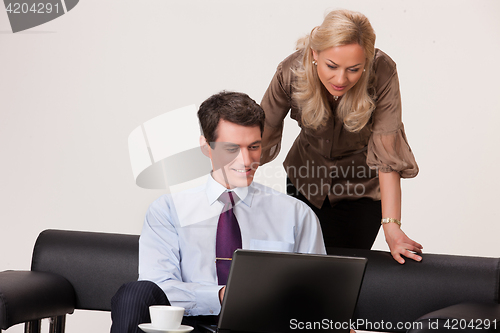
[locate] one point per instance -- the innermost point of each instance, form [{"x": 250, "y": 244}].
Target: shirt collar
[{"x": 214, "y": 189}]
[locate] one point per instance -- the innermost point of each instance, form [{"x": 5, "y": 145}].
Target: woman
[{"x": 351, "y": 152}]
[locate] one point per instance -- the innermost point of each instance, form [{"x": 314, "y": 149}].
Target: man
[{"x": 188, "y": 237}]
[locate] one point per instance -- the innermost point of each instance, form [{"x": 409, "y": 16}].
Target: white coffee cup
[{"x": 166, "y": 317}]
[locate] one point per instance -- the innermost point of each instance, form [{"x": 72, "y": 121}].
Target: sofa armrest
[
  {"x": 95, "y": 263},
  {"x": 27, "y": 296},
  {"x": 463, "y": 317}
]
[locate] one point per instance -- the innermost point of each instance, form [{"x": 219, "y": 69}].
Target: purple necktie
[{"x": 228, "y": 238}]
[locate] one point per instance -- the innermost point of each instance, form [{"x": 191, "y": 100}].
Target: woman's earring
[{"x": 315, "y": 63}]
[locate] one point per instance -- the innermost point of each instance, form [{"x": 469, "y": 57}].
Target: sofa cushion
[{"x": 463, "y": 317}]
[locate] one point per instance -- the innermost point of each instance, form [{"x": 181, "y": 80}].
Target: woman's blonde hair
[{"x": 340, "y": 27}]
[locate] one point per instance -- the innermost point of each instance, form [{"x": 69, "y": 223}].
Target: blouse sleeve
[
  {"x": 276, "y": 104},
  {"x": 388, "y": 148}
]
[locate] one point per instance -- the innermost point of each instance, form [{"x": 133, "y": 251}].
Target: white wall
[{"x": 73, "y": 89}]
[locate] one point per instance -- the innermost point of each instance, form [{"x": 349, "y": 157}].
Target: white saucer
[{"x": 148, "y": 328}]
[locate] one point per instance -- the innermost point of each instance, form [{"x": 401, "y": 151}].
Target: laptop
[{"x": 270, "y": 292}]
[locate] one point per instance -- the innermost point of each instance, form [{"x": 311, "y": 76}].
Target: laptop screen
[{"x": 288, "y": 292}]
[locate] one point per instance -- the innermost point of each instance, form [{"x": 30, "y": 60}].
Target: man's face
[{"x": 235, "y": 155}]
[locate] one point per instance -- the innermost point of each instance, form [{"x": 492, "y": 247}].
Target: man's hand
[
  {"x": 400, "y": 244},
  {"x": 221, "y": 293}
]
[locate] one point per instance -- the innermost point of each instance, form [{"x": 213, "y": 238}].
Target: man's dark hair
[{"x": 235, "y": 107}]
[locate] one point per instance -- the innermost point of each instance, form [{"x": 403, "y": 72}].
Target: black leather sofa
[
  {"x": 82, "y": 270},
  {"x": 443, "y": 293}
]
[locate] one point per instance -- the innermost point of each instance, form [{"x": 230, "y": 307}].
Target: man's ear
[{"x": 205, "y": 147}]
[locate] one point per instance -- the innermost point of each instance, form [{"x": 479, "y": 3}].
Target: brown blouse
[{"x": 332, "y": 161}]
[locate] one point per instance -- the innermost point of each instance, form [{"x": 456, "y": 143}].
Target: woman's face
[{"x": 340, "y": 67}]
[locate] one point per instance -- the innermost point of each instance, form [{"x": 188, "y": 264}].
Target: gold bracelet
[{"x": 389, "y": 220}]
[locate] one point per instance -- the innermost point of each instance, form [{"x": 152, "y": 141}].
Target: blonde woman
[{"x": 351, "y": 152}]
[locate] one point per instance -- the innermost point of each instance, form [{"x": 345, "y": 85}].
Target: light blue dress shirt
[{"x": 177, "y": 243}]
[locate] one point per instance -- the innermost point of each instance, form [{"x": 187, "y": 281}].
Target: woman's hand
[{"x": 400, "y": 244}]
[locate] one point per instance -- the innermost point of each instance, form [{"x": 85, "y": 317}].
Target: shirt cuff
[{"x": 207, "y": 299}]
